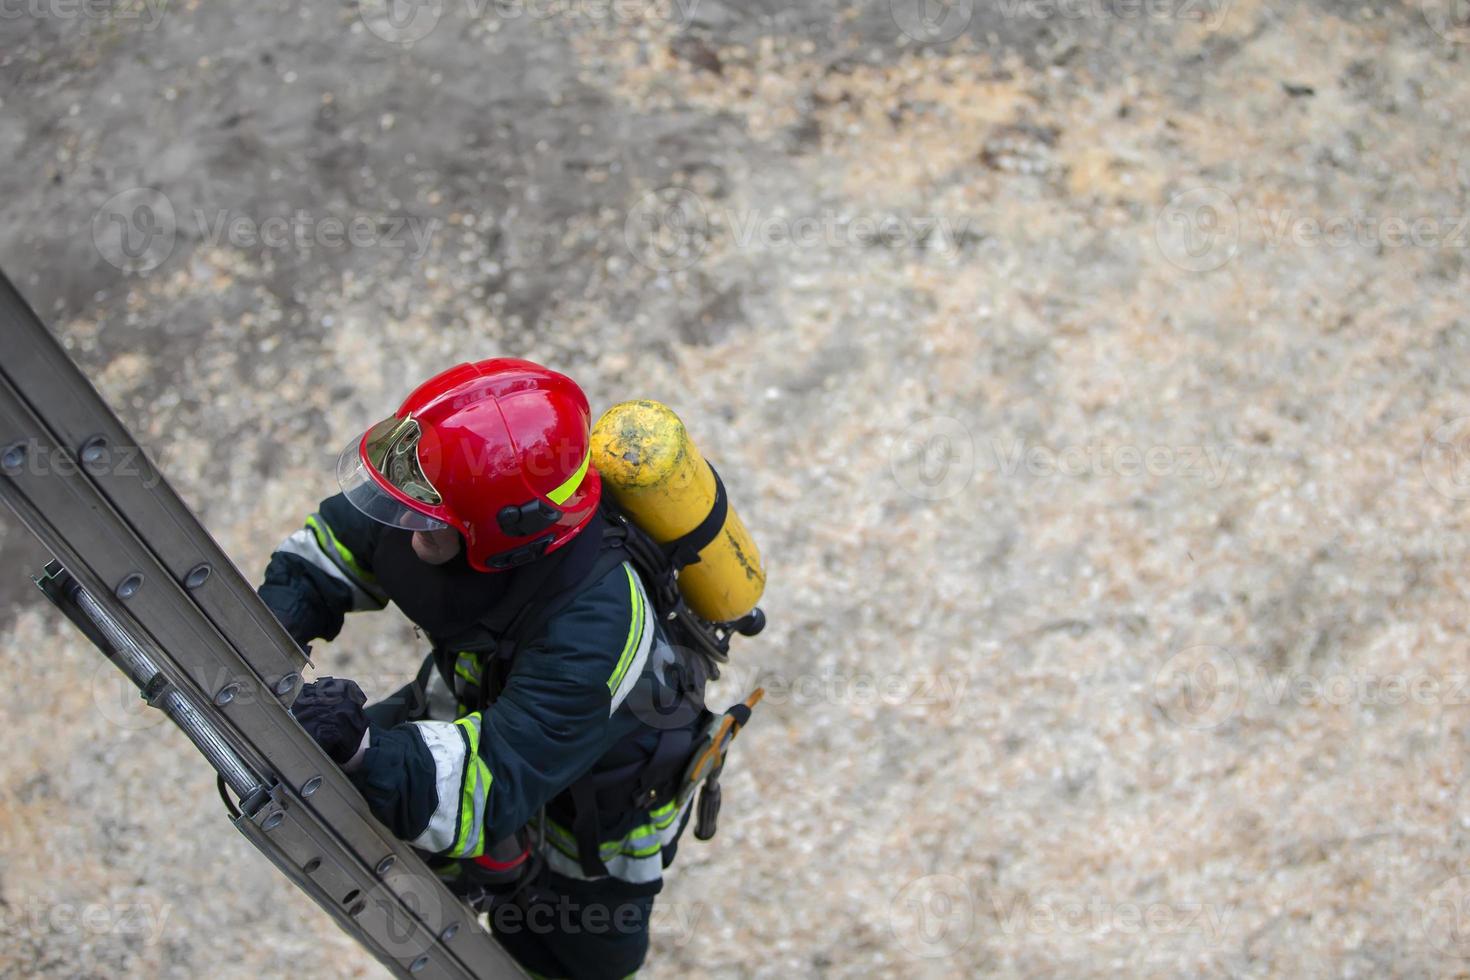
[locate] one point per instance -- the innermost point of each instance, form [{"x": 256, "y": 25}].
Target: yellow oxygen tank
[{"x": 657, "y": 475}]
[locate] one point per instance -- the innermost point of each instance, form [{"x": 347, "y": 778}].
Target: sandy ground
[{"x": 1092, "y": 374}]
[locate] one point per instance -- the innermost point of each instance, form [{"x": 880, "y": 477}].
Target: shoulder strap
[{"x": 685, "y": 549}]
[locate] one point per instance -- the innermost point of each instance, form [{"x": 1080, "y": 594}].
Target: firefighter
[{"x": 517, "y": 759}]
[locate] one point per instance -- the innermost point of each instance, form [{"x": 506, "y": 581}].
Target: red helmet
[{"x": 500, "y": 450}]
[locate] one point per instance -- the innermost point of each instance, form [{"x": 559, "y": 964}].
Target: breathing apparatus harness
[{"x": 692, "y": 740}]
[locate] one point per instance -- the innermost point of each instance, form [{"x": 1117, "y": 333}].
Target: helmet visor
[{"x": 391, "y": 449}]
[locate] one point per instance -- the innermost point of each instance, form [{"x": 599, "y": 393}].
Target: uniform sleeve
[
  {"x": 321, "y": 572},
  {"x": 455, "y": 788}
]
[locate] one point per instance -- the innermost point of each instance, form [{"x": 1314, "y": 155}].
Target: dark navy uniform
[{"x": 475, "y": 749}]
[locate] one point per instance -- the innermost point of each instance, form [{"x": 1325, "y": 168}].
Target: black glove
[{"x": 331, "y": 712}]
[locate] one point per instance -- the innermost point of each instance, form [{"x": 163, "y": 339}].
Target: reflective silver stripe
[
  {"x": 624, "y": 867},
  {"x": 303, "y": 544},
  {"x": 640, "y": 654},
  {"x": 446, "y": 743}
]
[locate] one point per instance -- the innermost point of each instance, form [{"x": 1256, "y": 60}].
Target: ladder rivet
[
  {"x": 129, "y": 586},
  {"x": 93, "y": 451},
  {"x": 450, "y": 931},
  {"x": 273, "y": 821},
  {"x": 197, "y": 575},
  {"x": 227, "y": 694},
  {"x": 419, "y": 964},
  {"x": 386, "y": 865},
  {"x": 311, "y": 786},
  {"x": 14, "y": 457},
  {"x": 286, "y": 684}
]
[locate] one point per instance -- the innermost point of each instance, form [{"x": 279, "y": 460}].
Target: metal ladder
[{"x": 142, "y": 578}]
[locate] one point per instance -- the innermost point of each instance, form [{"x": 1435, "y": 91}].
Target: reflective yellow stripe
[
  {"x": 467, "y": 666},
  {"x": 659, "y": 820},
  {"x": 469, "y": 837},
  {"x": 635, "y": 632},
  {"x": 328, "y": 542},
  {"x": 560, "y": 494}
]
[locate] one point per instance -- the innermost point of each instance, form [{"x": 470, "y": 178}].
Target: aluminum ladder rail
[{"x": 143, "y": 579}]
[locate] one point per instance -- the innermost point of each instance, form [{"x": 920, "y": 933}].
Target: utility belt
[{"x": 686, "y": 762}]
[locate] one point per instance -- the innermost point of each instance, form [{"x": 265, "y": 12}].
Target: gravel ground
[{"x": 1092, "y": 374}]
